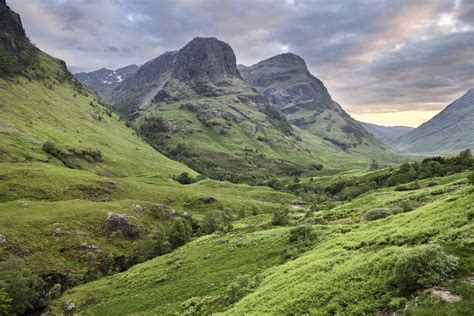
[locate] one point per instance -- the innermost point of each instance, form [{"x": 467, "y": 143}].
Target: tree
[
  {"x": 180, "y": 232},
  {"x": 211, "y": 222},
  {"x": 20, "y": 284}
]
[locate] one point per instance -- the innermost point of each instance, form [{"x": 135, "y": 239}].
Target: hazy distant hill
[
  {"x": 386, "y": 134},
  {"x": 450, "y": 131}
]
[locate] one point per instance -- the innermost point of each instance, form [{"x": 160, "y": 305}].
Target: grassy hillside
[
  {"x": 350, "y": 263},
  {"x": 225, "y": 138},
  {"x": 54, "y": 109}
]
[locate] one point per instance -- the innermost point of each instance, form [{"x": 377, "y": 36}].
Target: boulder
[
  {"x": 138, "y": 207},
  {"x": 119, "y": 223},
  {"x": 207, "y": 199},
  {"x": 69, "y": 306},
  {"x": 86, "y": 246},
  {"x": 3, "y": 239},
  {"x": 60, "y": 232}
]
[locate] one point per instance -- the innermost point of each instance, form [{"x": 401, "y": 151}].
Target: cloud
[{"x": 374, "y": 56}]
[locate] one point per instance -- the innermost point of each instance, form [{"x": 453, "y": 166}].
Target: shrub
[
  {"x": 5, "y": 300},
  {"x": 239, "y": 288},
  {"x": 180, "y": 232},
  {"x": 302, "y": 235},
  {"x": 22, "y": 287},
  {"x": 377, "y": 213},
  {"x": 184, "y": 178},
  {"x": 211, "y": 222},
  {"x": 421, "y": 267},
  {"x": 280, "y": 217}
]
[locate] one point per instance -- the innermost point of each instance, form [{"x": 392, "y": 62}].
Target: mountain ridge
[{"x": 448, "y": 132}]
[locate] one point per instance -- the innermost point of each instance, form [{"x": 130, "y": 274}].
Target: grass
[
  {"x": 348, "y": 269},
  {"x": 31, "y": 113}
]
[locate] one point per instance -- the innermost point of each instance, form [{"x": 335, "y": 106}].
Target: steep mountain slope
[
  {"x": 193, "y": 105},
  {"x": 286, "y": 82},
  {"x": 103, "y": 80},
  {"x": 450, "y": 131},
  {"x": 386, "y": 134}
]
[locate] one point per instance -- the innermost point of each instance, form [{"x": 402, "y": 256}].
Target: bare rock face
[{"x": 120, "y": 223}]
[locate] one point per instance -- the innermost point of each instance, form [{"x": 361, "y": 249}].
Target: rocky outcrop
[
  {"x": 16, "y": 51},
  {"x": 120, "y": 223}
]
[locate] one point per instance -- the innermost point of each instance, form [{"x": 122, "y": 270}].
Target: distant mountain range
[
  {"x": 450, "y": 131},
  {"x": 386, "y": 134},
  {"x": 103, "y": 80}
]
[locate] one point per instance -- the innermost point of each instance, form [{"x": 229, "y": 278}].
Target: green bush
[
  {"x": 239, "y": 288},
  {"x": 184, "y": 178},
  {"x": 5, "y": 300},
  {"x": 421, "y": 267},
  {"x": 211, "y": 222},
  {"x": 377, "y": 213},
  {"x": 180, "y": 232},
  {"x": 280, "y": 217},
  {"x": 22, "y": 288},
  {"x": 302, "y": 235}
]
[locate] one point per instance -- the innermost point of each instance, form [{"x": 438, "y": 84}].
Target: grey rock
[
  {"x": 138, "y": 208},
  {"x": 120, "y": 223},
  {"x": 58, "y": 231},
  {"x": 3, "y": 239},
  {"x": 207, "y": 199},
  {"x": 69, "y": 306},
  {"x": 87, "y": 246}
]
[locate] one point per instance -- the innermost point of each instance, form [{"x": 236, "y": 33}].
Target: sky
[{"x": 390, "y": 62}]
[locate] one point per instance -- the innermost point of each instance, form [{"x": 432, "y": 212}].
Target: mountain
[
  {"x": 386, "y": 134},
  {"x": 41, "y": 103},
  {"x": 450, "y": 131},
  {"x": 286, "y": 81},
  {"x": 193, "y": 105},
  {"x": 103, "y": 80}
]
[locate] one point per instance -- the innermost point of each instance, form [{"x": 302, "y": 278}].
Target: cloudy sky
[{"x": 385, "y": 61}]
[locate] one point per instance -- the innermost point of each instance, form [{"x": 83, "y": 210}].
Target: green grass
[
  {"x": 347, "y": 270},
  {"x": 32, "y": 113}
]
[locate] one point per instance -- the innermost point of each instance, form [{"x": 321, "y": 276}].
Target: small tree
[
  {"x": 211, "y": 222},
  {"x": 180, "y": 232}
]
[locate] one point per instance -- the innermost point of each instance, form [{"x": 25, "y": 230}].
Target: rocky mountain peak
[
  {"x": 206, "y": 58},
  {"x": 287, "y": 60}
]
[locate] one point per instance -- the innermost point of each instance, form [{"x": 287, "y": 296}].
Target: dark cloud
[{"x": 373, "y": 55}]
